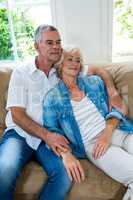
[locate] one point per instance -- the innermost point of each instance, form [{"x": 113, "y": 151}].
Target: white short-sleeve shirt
[{"x": 27, "y": 89}]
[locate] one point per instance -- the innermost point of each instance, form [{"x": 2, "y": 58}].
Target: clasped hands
[{"x": 60, "y": 145}]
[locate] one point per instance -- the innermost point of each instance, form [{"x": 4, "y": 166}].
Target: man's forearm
[
  {"x": 106, "y": 76},
  {"x": 26, "y": 123},
  {"x": 114, "y": 97}
]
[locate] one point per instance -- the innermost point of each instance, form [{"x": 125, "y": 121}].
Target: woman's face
[{"x": 72, "y": 64}]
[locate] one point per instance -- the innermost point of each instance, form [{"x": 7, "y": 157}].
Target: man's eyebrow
[
  {"x": 52, "y": 40},
  {"x": 69, "y": 56}
]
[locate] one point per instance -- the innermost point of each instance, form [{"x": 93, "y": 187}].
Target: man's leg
[
  {"x": 14, "y": 153},
  {"x": 58, "y": 183}
]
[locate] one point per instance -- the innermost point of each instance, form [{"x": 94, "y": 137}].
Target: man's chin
[{"x": 56, "y": 59}]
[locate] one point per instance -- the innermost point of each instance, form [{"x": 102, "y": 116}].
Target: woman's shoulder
[
  {"x": 52, "y": 95},
  {"x": 91, "y": 79}
]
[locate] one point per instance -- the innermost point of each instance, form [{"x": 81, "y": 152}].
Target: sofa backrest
[
  {"x": 122, "y": 75},
  {"x": 5, "y": 73}
]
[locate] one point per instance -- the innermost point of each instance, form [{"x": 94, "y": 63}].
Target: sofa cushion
[
  {"x": 5, "y": 73},
  {"x": 123, "y": 75},
  {"x": 97, "y": 185}
]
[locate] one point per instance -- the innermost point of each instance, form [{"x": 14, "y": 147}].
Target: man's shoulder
[{"x": 25, "y": 67}]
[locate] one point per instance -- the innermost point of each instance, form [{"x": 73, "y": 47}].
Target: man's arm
[
  {"x": 114, "y": 98},
  {"x": 53, "y": 140},
  {"x": 17, "y": 103},
  {"x": 104, "y": 140}
]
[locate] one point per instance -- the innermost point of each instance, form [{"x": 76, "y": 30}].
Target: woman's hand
[
  {"x": 73, "y": 167},
  {"x": 102, "y": 144}
]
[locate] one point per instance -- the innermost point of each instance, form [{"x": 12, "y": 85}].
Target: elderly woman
[{"x": 78, "y": 109}]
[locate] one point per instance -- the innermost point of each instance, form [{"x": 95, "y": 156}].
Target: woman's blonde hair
[{"x": 65, "y": 51}]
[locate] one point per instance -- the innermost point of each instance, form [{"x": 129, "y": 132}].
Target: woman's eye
[{"x": 69, "y": 59}]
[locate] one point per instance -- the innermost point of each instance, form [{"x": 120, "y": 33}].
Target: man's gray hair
[{"x": 42, "y": 28}]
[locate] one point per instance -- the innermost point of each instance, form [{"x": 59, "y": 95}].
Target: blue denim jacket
[{"x": 58, "y": 114}]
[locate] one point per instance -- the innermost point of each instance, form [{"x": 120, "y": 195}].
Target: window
[
  {"x": 123, "y": 30},
  {"x": 18, "y": 19}
]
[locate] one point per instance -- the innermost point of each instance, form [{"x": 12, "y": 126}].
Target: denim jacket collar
[{"x": 67, "y": 102}]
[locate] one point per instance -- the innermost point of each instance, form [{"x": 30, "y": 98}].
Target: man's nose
[{"x": 56, "y": 46}]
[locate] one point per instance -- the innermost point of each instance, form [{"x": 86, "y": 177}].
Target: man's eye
[
  {"x": 58, "y": 42},
  {"x": 78, "y": 61},
  {"x": 49, "y": 43}
]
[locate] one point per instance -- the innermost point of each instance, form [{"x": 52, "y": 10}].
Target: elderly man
[{"x": 25, "y": 135}]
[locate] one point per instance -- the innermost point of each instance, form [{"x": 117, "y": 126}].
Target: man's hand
[
  {"x": 56, "y": 141},
  {"x": 116, "y": 101},
  {"x": 114, "y": 98},
  {"x": 102, "y": 144},
  {"x": 73, "y": 167}
]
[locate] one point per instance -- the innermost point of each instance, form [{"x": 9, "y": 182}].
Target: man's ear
[{"x": 36, "y": 46}]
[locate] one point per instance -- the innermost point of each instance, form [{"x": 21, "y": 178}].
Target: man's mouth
[{"x": 55, "y": 53}]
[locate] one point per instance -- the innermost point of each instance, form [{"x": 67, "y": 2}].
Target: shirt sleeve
[{"x": 17, "y": 92}]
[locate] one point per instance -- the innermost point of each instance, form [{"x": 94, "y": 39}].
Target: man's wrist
[{"x": 45, "y": 135}]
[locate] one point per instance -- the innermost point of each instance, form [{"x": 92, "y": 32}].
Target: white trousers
[{"x": 117, "y": 162}]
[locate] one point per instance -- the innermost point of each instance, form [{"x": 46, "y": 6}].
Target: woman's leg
[
  {"x": 118, "y": 164},
  {"x": 125, "y": 140},
  {"x": 58, "y": 183},
  {"x": 14, "y": 153}
]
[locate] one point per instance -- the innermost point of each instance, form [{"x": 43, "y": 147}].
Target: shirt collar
[{"x": 33, "y": 68}]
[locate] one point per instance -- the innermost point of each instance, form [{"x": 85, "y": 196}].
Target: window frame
[{"x": 9, "y": 5}]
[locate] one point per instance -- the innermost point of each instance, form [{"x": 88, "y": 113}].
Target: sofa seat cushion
[{"x": 97, "y": 185}]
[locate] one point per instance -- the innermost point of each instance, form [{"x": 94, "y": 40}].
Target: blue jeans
[{"x": 15, "y": 153}]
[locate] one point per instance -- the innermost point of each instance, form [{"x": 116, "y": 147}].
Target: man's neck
[{"x": 43, "y": 65}]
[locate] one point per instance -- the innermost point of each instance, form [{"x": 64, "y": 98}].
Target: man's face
[{"x": 49, "y": 47}]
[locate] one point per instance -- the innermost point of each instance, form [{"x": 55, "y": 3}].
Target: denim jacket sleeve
[
  {"x": 50, "y": 116},
  {"x": 114, "y": 113}
]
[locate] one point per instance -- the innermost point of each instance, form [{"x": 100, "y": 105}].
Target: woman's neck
[
  {"x": 69, "y": 81},
  {"x": 76, "y": 93}
]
